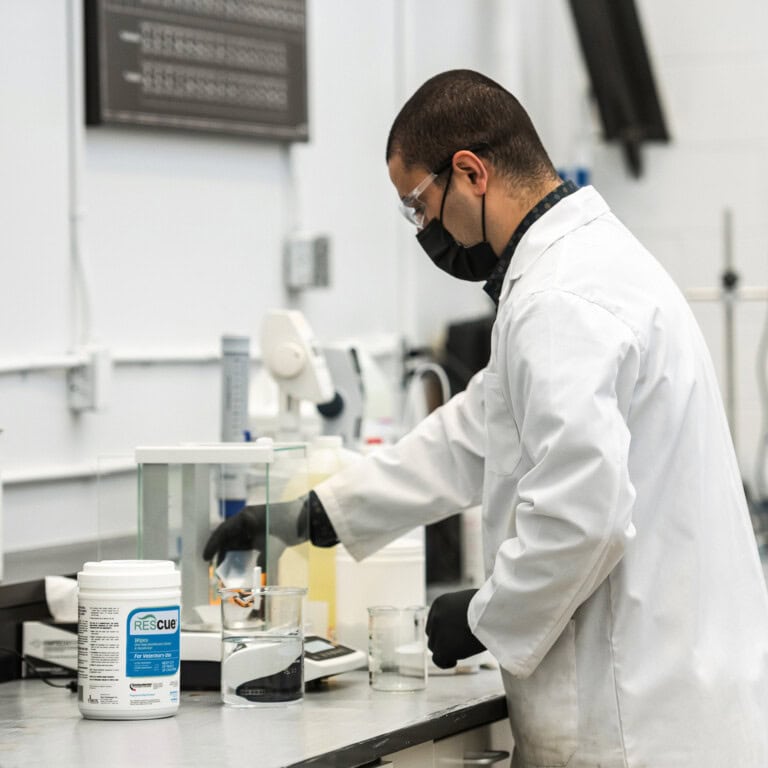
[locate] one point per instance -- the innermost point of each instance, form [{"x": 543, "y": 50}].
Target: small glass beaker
[
  {"x": 262, "y": 646},
  {"x": 397, "y": 648}
]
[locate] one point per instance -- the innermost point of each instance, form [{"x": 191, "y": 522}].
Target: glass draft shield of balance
[{"x": 182, "y": 495}]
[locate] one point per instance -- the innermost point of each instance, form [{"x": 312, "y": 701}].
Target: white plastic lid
[
  {"x": 260, "y": 452},
  {"x": 128, "y": 574}
]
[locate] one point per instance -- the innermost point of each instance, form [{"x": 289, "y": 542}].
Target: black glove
[
  {"x": 450, "y": 638},
  {"x": 247, "y": 529}
]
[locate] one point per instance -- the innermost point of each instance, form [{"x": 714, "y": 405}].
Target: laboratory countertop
[{"x": 342, "y": 725}]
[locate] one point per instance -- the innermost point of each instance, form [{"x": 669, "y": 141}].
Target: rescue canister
[{"x": 128, "y": 639}]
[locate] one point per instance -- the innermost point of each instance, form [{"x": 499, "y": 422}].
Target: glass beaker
[
  {"x": 397, "y": 648},
  {"x": 262, "y": 646}
]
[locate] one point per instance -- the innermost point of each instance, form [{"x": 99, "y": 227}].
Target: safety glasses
[{"x": 411, "y": 206}]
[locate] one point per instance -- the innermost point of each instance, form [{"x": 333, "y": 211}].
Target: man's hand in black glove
[
  {"x": 450, "y": 638},
  {"x": 248, "y": 528}
]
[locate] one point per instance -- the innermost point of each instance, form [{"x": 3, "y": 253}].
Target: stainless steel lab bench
[{"x": 346, "y": 724}]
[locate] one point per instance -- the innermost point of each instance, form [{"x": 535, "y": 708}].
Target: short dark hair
[{"x": 459, "y": 109}]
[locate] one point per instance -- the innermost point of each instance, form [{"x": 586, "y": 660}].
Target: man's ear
[{"x": 468, "y": 165}]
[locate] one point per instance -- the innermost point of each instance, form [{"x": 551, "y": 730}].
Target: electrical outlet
[
  {"x": 307, "y": 261},
  {"x": 88, "y": 384}
]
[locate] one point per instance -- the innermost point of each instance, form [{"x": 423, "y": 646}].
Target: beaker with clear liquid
[{"x": 262, "y": 646}]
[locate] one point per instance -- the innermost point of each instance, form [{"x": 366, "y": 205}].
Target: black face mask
[{"x": 473, "y": 263}]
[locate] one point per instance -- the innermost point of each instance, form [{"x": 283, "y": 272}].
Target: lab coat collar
[
  {"x": 569, "y": 214},
  {"x": 495, "y": 283}
]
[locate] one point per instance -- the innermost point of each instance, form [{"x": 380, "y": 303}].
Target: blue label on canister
[{"x": 153, "y": 636}]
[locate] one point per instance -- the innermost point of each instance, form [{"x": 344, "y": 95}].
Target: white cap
[{"x": 128, "y": 574}]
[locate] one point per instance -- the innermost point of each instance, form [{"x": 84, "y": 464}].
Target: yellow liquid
[{"x": 310, "y": 566}]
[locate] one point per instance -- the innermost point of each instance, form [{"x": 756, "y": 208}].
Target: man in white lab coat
[{"x": 624, "y": 598}]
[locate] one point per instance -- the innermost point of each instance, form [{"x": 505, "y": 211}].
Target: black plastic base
[{"x": 200, "y": 675}]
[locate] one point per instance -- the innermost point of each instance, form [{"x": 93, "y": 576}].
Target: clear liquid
[{"x": 261, "y": 670}]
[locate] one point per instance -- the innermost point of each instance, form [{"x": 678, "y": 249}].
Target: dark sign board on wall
[
  {"x": 619, "y": 66},
  {"x": 231, "y": 66}
]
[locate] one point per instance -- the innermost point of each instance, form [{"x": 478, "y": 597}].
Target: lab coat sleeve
[
  {"x": 566, "y": 369},
  {"x": 433, "y": 472}
]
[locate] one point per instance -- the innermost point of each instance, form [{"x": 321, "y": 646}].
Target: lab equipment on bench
[
  {"x": 262, "y": 646},
  {"x": 128, "y": 639},
  {"x": 178, "y": 509},
  {"x": 324, "y": 658},
  {"x": 303, "y": 390},
  {"x": 397, "y": 649},
  {"x": 343, "y": 415},
  {"x": 235, "y": 377},
  {"x": 292, "y": 357}
]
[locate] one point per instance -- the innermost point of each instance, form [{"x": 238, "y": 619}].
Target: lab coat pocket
[
  {"x": 502, "y": 438},
  {"x": 544, "y": 709}
]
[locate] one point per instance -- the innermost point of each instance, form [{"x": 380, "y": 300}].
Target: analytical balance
[{"x": 181, "y": 493}]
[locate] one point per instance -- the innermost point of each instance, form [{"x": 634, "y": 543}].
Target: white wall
[
  {"x": 34, "y": 181},
  {"x": 342, "y": 183}
]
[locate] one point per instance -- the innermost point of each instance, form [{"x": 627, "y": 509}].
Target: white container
[
  {"x": 395, "y": 575},
  {"x": 128, "y": 639}
]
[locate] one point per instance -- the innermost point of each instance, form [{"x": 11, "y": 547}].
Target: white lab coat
[{"x": 624, "y": 601}]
